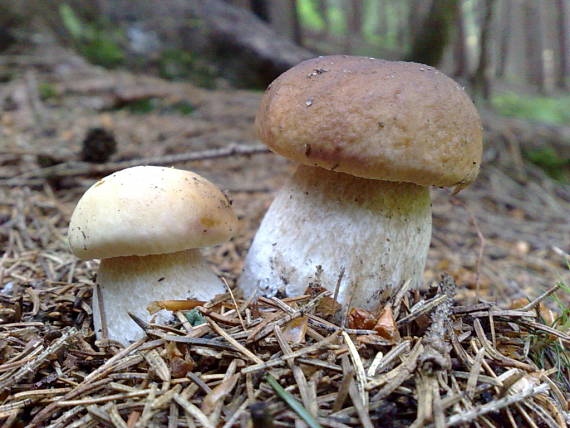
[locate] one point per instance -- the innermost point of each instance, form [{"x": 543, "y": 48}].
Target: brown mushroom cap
[
  {"x": 149, "y": 210},
  {"x": 393, "y": 121}
]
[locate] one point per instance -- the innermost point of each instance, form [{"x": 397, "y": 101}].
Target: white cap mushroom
[
  {"x": 146, "y": 224},
  {"x": 370, "y": 137}
]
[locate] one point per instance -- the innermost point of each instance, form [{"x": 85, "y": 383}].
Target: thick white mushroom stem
[
  {"x": 324, "y": 227},
  {"x": 130, "y": 284}
]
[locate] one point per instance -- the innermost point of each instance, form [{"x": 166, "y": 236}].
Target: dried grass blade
[
  {"x": 297, "y": 372},
  {"x": 401, "y": 373},
  {"x": 218, "y": 393},
  {"x": 360, "y": 372},
  {"x": 427, "y": 307},
  {"x": 494, "y": 353},
  {"x": 242, "y": 349},
  {"x": 474, "y": 373},
  {"x": 101, "y": 370},
  {"x": 164, "y": 400},
  {"x": 344, "y": 385},
  {"x": 470, "y": 415},
  {"x": 116, "y": 418},
  {"x": 36, "y": 362},
  {"x": 193, "y": 411},
  {"x": 104, "y": 399},
  {"x": 156, "y": 362},
  {"x": 99, "y": 414},
  {"x": 361, "y": 409},
  {"x": 291, "y": 402},
  {"x": 229, "y": 423}
]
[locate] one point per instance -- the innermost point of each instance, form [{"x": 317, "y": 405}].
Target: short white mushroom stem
[
  {"x": 322, "y": 223},
  {"x": 130, "y": 284}
]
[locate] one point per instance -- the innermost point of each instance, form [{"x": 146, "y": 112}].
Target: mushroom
[
  {"x": 370, "y": 136},
  {"x": 146, "y": 224}
]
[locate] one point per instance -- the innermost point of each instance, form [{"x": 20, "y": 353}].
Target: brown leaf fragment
[
  {"x": 173, "y": 305},
  {"x": 361, "y": 319},
  {"x": 519, "y": 303},
  {"x": 547, "y": 315},
  {"x": 295, "y": 330},
  {"x": 218, "y": 393},
  {"x": 179, "y": 367},
  {"x": 327, "y": 307},
  {"x": 156, "y": 362},
  {"x": 386, "y": 325},
  {"x": 372, "y": 340}
]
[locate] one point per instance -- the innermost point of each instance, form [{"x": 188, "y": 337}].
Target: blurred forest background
[
  {"x": 512, "y": 55},
  {"x": 163, "y": 82}
]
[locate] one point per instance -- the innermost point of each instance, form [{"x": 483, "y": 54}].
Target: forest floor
[{"x": 509, "y": 231}]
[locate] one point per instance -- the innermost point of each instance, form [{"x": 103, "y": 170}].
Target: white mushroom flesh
[
  {"x": 130, "y": 284},
  {"x": 322, "y": 223}
]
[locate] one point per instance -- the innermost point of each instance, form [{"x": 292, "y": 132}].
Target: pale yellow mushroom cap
[
  {"x": 149, "y": 210},
  {"x": 384, "y": 120}
]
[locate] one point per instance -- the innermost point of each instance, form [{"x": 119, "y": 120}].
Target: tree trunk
[
  {"x": 401, "y": 28},
  {"x": 355, "y": 18},
  {"x": 324, "y": 14},
  {"x": 382, "y": 19},
  {"x": 460, "y": 48},
  {"x": 260, "y": 9},
  {"x": 415, "y": 17},
  {"x": 481, "y": 80},
  {"x": 505, "y": 37},
  {"x": 433, "y": 35},
  {"x": 296, "y": 21},
  {"x": 534, "y": 44},
  {"x": 563, "y": 44},
  {"x": 213, "y": 31}
]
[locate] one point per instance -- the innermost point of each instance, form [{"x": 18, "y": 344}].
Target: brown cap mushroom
[
  {"x": 370, "y": 135},
  {"x": 384, "y": 120},
  {"x": 146, "y": 224}
]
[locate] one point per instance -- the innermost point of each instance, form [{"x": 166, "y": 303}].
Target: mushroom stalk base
[
  {"x": 325, "y": 228},
  {"x": 130, "y": 284}
]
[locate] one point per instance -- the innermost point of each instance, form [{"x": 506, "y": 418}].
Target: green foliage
[
  {"x": 184, "y": 108},
  {"x": 141, "y": 106},
  {"x": 178, "y": 64},
  {"x": 174, "y": 64},
  {"x": 157, "y": 105},
  {"x": 194, "y": 317},
  {"x": 296, "y": 406},
  {"x": 71, "y": 21},
  {"x": 544, "y": 109},
  {"x": 309, "y": 15},
  {"x": 546, "y": 350},
  {"x": 104, "y": 52},
  {"x": 337, "y": 19},
  {"x": 47, "y": 91},
  {"x": 98, "y": 42},
  {"x": 547, "y": 159}
]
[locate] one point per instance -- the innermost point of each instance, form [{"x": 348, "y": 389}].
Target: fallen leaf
[
  {"x": 361, "y": 319},
  {"x": 547, "y": 315},
  {"x": 519, "y": 303},
  {"x": 218, "y": 393},
  {"x": 327, "y": 307},
  {"x": 179, "y": 367},
  {"x": 173, "y": 305},
  {"x": 386, "y": 326},
  {"x": 295, "y": 330}
]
